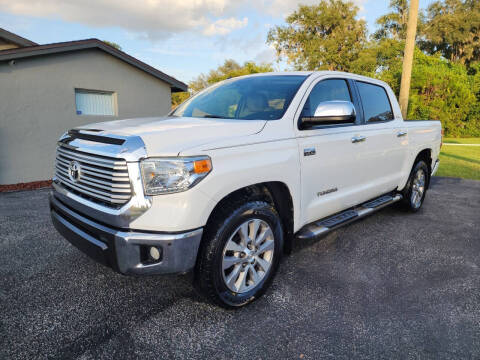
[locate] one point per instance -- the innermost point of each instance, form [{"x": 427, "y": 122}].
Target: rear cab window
[{"x": 375, "y": 102}]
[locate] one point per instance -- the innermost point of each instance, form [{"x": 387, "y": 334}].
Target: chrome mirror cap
[
  {"x": 330, "y": 113},
  {"x": 335, "y": 109}
]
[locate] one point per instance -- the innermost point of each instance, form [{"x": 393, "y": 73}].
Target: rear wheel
[
  {"x": 416, "y": 189},
  {"x": 240, "y": 254}
]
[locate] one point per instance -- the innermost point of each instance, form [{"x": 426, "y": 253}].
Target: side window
[
  {"x": 376, "y": 106},
  {"x": 326, "y": 90}
]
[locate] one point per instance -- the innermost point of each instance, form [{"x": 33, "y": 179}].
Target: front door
[{"x": 332, "y": 156}]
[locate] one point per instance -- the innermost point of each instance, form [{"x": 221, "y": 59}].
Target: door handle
[
  {"x": 401, "y": 133},
  {"x": 309, "y": 151},
  {"x": 357, "y": 139}
]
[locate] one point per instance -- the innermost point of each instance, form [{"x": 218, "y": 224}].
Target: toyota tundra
[{"x": 225, "y": 183}]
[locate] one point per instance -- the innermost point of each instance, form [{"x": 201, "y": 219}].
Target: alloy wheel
[
  {"x": 418, "y": 188},
  {"x": 248, "y": 255}
]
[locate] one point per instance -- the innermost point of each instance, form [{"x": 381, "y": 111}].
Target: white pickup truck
[{"x": 226, "y": 182}]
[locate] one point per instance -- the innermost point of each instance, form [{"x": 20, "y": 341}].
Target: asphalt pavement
[{"x": 394, "y": 285}]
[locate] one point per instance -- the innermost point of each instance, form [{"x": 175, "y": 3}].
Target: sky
[{"x": 182, "y": 38}]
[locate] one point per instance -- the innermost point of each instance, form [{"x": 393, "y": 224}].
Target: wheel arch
[
  {"x": 426, "y": 155},
  {"x": 276, "y": 193}
]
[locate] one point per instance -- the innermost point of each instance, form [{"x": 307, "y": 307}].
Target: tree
[
  {"x": 318, "y": 37},
  {"x": 378, "y": 58},
  {"x": 440, "y": 90},
  {"x": 229, "y": 69},
  {"x": 113, "y": 44},
  {"x": 394, "y": 24},
  {"x": 452, "y": 28}
]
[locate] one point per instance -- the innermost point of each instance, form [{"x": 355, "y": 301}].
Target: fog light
[{"x": 154, "y": 253}]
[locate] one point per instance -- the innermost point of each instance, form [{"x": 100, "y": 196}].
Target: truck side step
[
  {"x": 338, "y": 219},
  {"x": 323, "y": 226},
  {"x": 378, "y": 201}
]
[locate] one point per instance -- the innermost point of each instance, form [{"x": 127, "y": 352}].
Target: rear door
[
  {"x": 386, "y": 142},
  {"x": 332, "y": 164}
]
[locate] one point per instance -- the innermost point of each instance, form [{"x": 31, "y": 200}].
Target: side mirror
[{"x": 330, "y": 112}]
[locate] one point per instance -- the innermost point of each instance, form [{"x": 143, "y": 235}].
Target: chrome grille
[{"x": 103, "y": 179}]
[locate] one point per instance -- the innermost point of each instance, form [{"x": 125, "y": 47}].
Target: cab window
[
  {"x": 376, "y": 106},
  {"x": 326, "y": 90}
]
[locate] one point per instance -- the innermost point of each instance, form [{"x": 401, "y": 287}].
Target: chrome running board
[{"x": 323, "y": 226}]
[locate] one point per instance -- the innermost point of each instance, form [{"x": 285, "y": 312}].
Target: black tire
[
  {"x": 210, "y": 278},
  {"x": 411, "y": 201}
]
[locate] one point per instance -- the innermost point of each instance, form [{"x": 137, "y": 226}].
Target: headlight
[{"x": 169, "y": 175}]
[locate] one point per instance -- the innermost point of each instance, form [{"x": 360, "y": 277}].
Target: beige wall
[{"x": 37, "y": 104}]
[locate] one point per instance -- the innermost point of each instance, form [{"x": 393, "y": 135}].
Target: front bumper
[{"x": 126, "y": 251}]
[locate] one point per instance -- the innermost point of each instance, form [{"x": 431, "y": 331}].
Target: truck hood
[{"x": 169, "y": 136}]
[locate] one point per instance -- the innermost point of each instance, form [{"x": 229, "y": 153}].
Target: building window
[{"x": 95, "y": 102}]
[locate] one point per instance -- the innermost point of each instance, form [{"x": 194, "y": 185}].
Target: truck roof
[{"x": 323, "y": 72}]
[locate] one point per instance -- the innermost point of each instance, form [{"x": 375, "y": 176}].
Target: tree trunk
[{"x": 408, "y": 56}]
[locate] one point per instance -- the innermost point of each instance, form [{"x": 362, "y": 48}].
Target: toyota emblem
[{"x": 74, "y": 171}]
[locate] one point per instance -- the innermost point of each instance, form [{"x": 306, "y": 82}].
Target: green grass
[
  {"x": 462, "y": 140},
  {"x": 460, "y": 161}
]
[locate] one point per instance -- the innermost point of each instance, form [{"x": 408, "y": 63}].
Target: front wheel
[
  {"x": 240, "y": 254},
  {"x": 416, "y": 189}
]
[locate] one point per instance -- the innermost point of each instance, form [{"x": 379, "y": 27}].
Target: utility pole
[{"x": 408, "y": 56}]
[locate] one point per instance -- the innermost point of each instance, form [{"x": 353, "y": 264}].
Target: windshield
[{"x": 250, "y": 98}]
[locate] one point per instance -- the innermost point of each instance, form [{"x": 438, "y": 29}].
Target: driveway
[{"x": 394, "y": 285}]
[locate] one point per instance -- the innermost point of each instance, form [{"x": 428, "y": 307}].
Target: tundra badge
[{"x": 325, "y": 192}]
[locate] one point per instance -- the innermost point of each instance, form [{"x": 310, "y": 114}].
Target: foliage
[
  {"x": 327, "y": 36},
  {"x": 113, "y": 44},
  {"x": 229, "y": 69},
  {"x": 179, "y": 97},
  {"x": 379, "y": 58},
  {"x": 439, "y": 90},
  {"x": 452, "y": 28},
  {"x": 394, "y": 24}
]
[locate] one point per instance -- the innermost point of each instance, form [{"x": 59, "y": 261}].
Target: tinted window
[
  {"x": 376, "y": 106},
  {"x": 326, "y": 90},
  {"x": 256, "y": 97}
]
